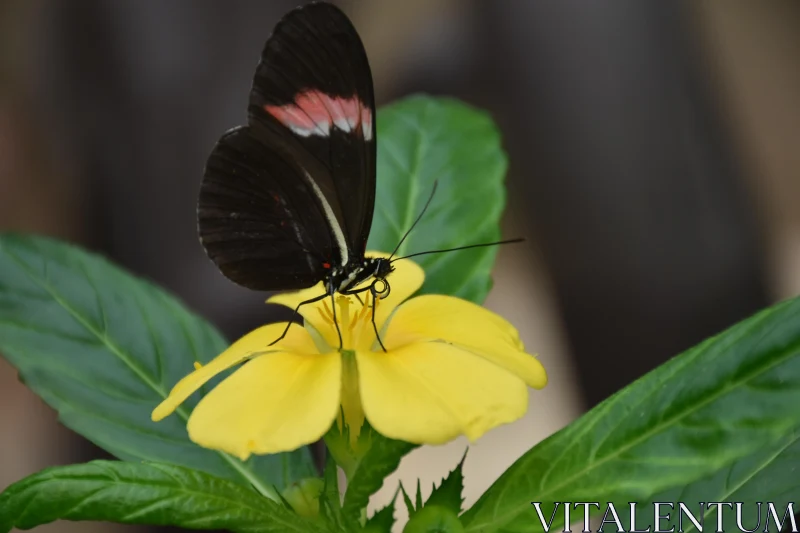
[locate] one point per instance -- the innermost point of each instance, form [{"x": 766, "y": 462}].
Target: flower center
[{"x": 355, "y": 321}]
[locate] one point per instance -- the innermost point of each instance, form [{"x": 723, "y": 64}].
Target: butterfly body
[{"x": 346, "y": 280}]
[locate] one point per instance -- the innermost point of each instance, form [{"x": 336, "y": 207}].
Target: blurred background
[{"x": 654, "y": 154}]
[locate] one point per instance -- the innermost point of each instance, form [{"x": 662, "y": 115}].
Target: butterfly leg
[
  {"x": 355, "y": 292},
  {"x": 332, "y": 292},
  {"x": 374, "y": 325},
  {"x": 294, "y": 315},
  {"x": 375, "y": 297}
]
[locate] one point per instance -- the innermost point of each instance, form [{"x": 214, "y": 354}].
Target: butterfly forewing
[{"x": 314, "y": 87}]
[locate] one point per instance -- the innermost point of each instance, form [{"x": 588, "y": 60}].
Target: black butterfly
[{"x": 287, "y": 200}]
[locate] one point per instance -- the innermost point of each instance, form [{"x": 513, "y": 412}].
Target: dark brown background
[{"x": 654, "y": 170}]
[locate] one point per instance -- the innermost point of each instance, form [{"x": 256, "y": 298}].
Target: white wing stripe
[{"x": 338, "y": 234}]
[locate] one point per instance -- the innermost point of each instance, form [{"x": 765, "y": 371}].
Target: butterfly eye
[{"x": 380, "y": 288}]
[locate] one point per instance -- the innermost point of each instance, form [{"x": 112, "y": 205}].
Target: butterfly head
[{"x": 381, "y": 267}]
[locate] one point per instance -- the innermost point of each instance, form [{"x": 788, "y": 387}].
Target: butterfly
[{"x": 287, "y": 200}]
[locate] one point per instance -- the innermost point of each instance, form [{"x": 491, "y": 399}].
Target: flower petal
[
  {"x": 293, "y": 299},
  {"x": 272, "y": 404},
  {"x": 468, "y": 326},
  {"x": 432, "y": 392},
  {"x": 251, "y": 345},
  {"x": 406, "y": 279}
]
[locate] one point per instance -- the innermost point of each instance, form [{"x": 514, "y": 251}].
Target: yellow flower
[{"x": 451, "y": 368}]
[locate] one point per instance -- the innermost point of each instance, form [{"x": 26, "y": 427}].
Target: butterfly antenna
[
  {"x": 497, "y": 243},
  {"x": 435, "y": 184}
]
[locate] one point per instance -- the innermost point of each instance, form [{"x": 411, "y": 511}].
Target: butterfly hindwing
[
  {"x": 312, "y": 95},
  {"x": 257, "y": 217}
]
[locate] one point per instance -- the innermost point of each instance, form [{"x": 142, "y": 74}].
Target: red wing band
[{"x": 314, "y": 112}]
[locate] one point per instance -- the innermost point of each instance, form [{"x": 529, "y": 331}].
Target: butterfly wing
[
  {"x": 257, "y": 217},
  {"x": 289, "y": 198},
  {"x": 312, "y": 95}
]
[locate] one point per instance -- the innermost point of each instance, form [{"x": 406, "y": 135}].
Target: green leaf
[
  {"x": 329, "y": 500},
  {"x": 407, "y": 501},
  {"x": 143, "y": 493},
  {"x": 769, "y": 475},
  {"x": 448, "y": 494},
  {"x": 434, "y": 519},
  {"x": 104, "y": 348},
  {"x": 711, "y": 408},
  {"x": 382, "y": 459},
  {"x": 423, "y": 139},
  {"x": 383, "y": 519}
]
